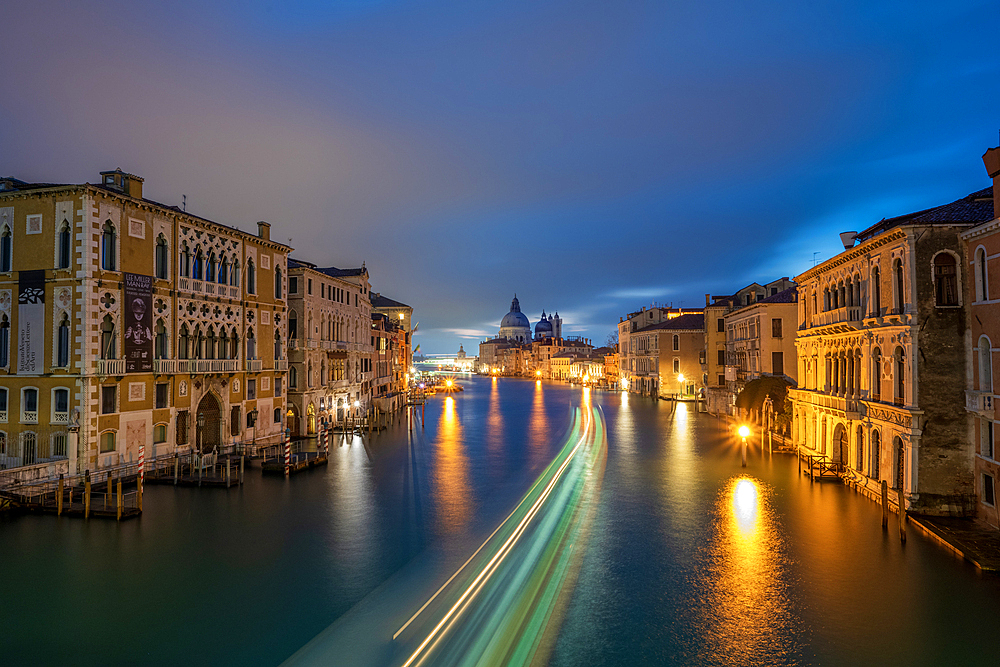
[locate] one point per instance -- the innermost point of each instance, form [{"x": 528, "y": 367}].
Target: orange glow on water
[{"x": 451, "y": 483}]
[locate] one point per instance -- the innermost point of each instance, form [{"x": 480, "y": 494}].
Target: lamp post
[
  {"x": 201, "y": 425},
  {"x": 253, "y": 421},
  {"x": 744, "y": 432},
  {"x": 680, "y": 383}
]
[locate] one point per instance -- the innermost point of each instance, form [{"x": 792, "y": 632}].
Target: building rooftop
[
  {"x": 687, "y": 322},
  {"x": 972, "y": 209},
  {"x": 790, "y": 295},
  {"x": 379, "y": 301}
]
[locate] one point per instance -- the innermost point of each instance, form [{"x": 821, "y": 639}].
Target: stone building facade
[
  {"x": 330, "y": 346},
  {"x": 982, "y": 254},
  {"x": 144, "y": 325},
  {"x": 881, "y": 349}
]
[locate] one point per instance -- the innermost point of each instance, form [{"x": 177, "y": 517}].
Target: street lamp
[
  {"x": 744, "y": 433},
  {"x": 201, "y": 425}
]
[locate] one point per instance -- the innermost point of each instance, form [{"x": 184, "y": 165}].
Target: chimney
[
  {"x": 128, "y": 184},
  {"x": 264, "y": 230},
  {"x": 991, "y": 159},
  {"x": 707, "y": 302},
  {"x": 847, "y": 238}
]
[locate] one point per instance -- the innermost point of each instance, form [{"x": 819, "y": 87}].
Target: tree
[{"x": 612, "y": 339}]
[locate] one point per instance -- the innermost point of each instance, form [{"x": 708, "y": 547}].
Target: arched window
[
  {"x": 161, "y": 257},
  {"x": 899, "y": 461},
  {"x": 251, "y": 345},
  {"x": 322, "y": 372},
  {"x": 826, "y": 299},
  {"x": 64, "y": 245},
  {"x": 982, "y": 277},
  {"x": 199, "y": 343},
  {"x": 277, "y": 345},
  {"x": 224, "y": 350},
  {"x": 160, "y": 343},
  {"x": 108, "y": 442},
  {"x": 898, "y": 275},
  {"x": 293, "y": 377},
  {"x": 877, "y": 374},
  {"x": 945, "y": 280},
  {"x": 859, "y": 460},
  {"x": 199, "y": 261},
  {"x": 677, "y": 342},
  {"x": 6, "y": 249},
  {"x": 985, "y": 365},
  {"x": 212, "y": 264},
  {"x": 876, "y": 469},
  {"x": 210, "y": 344},
  {"x": 60, "y": 405},
  {"x": 309, "y": 375},
  {"x": 224, "y": 271},
  {"x": 62, "y": 343},
  {"x": 251, "y": 278},
  {"x": 184, "y": 344},
  {"x": 184, "y": 265},
  {"x": 3, "y": 407},
  {"x": 876, "y": 289},
  {"x": 109, "y": 348},
  {"x": 277, "y": 282},
  {"x": 4, "y": 341},
  {"x": 234, "y": 345},
  {"x": 108, "y": 251},
  {"x": 900, "y": 380},
  {"x": 29, "y": 405},
  {"x": 234, "y": 277}
]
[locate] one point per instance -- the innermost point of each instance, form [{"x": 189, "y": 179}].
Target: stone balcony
[
  {"x": 110, "y": 367},
  {"x": 254, "y": 365},
  {"x": 980, "y": 403}
]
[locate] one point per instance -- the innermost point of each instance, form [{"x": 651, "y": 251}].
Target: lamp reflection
[
  {"x": 451, "y": 477},
  {"x": 538, "y": 426},
  {"x": 748, "y": 606}
]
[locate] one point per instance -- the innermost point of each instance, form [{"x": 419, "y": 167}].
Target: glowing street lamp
[{"x": 744, "y": 433}]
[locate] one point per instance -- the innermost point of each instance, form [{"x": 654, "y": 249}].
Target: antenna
[
  {"x": 184, "y": 203},
  {"x": 814, "y": 257}
]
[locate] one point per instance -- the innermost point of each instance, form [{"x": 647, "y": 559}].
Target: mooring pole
[
  {"x": 59, "y": 499},
  {"x": 86, "y": 494},
  {"x": 885, "y": 505},
  {"x": 902, "y": 513}
]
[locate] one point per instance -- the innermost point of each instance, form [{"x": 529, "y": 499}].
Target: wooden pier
[
  {"x": 820, "y": 467},
  {"x": 113, "y": 493},
  {"x": 274, "y": 462},
  {"x": 217, "y": 469}
]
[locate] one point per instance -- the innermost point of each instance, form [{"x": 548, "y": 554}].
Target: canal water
[{"x": 689, "y": 559}]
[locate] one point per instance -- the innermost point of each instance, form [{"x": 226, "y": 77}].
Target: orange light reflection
[{"x": 451, "y": 483}]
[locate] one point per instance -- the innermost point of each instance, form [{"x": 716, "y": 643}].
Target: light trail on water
[{"x": 502, "y": 605}]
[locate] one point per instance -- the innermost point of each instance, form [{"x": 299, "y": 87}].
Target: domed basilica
[{"x": 516, "y": 327}]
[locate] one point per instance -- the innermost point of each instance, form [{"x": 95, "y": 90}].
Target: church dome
[
  {"x": 515, "y": 318},
  {"x": 543, "y": 326}
]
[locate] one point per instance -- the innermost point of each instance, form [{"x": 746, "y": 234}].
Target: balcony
[
  {"x": 165, "y": 366},
  {"x": 340, "y": 345},
  {"x": 3, "y": 415},
  {"x": 29, "y": 417},
  {"x": 847, "y": 318},
  {"x": 60, "y": 418},
  {"x": 234, "y": 292},
  {"x": 281, "y": 364},
  {"x": 980, "y": 402},
  {"x": 210, "y": 288},
  {"x": 111, "y": 367},
  {"x": 184, "y": 284},
  {"x": 293, "y": 344},
  {"x": 197, "y": 286},
  {"x": 254, "y": 365},
  {"x": 213, "y": 365}
]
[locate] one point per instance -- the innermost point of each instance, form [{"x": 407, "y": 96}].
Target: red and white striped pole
[
  {"x": 288, "y": 450},
  {"x": 142, "y": 464},
  {"x": 322, "y": 438}
]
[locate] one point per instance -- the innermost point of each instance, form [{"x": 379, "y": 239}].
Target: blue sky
[{"x": 593, "y": 157}]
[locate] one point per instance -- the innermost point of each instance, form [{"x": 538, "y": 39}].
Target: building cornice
[
  {"x": 895, "y": 234},
  {"x": 982, "y": 230}
]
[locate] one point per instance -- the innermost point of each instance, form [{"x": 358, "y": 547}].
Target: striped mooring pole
[
  {"x": 142, "y": 464},
  {"x": 288, "y": 450},
  {"x": 324, "y": 438}
]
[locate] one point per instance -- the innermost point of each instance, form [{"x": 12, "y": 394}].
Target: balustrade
[
  {"x": 197, "y": 286},
  {"x": 111, "y": 367},
  {"x": 254, "y": 365},
  {"x": 165, "y": 366}
]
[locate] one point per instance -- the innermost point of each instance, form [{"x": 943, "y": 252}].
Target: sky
[{"x": 591, "y": 157}]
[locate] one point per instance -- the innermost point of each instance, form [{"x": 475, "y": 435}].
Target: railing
[
  {"x": 60, "y": 418},
  {"x": 980, "y": 402},
  {"x": 341, "y": 345},
  {"x": 213, "y": 365},
  {"x": 254, "y": 365},
  {"x": 3, "y": 415},
  {"x": 327, "y": 344},
  {"x": 197, "y": 286},
  {"x": 111, "y": 367},
  {"x": 29, "y": 417},
  {"x": 184, "y": 284},
  {"x": 234, "y": 292},
  {"x": 293, "y": 344},
  {"x": 165, "y": 366},
  {"x": 281, "y": 364},
  {"x": 311, "y": 343},
  {"x": 897, "y": 400},
  {"x": 848, "y": 314},
  {"x": 209, "y": 288}
]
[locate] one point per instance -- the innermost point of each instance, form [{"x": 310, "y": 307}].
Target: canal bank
[{"x": 679, "y": 567}]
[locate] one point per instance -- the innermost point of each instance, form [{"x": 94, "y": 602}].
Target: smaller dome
[{"x": 543, "y": 326}]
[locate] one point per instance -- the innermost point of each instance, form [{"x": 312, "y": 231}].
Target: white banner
[{"x": 31, "y": 323}]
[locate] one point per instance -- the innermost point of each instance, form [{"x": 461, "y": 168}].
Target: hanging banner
[
  {"x": 138, "y": 316},
  {"x": 31, "y": 322}
]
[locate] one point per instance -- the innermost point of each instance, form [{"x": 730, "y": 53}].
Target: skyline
[{"x": 466, "y": 152}]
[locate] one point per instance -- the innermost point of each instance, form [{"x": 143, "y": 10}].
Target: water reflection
[
  {"x": 451, "y": 474},
  {"x": 748, "y": 619},
  {"x": 538, "y": 427}
]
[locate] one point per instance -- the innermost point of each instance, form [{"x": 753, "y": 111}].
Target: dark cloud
[{"x": 591, "y": 156}]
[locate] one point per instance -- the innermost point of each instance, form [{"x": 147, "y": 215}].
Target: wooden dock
[
  {"x": 215, "y": 469},
  {"x": 298, "y": 461},
  {"x": 113, "y": 493},
  {"x": 820, "y": 467}
]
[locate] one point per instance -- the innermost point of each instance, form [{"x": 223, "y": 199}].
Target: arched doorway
[
  {"x": 340, "y": 410},
  {"x": 211, "y": 428},
  {"x": 292, "y": 420},
  {"x": 840, "y": 445},
  {"x": 311, "y": 419}
]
